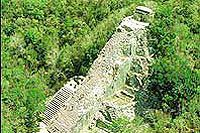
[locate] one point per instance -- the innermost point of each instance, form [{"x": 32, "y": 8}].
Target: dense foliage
[
  {"x": 175, "y": 39},
  {"x": 46, "y": 42},
  {"x": 171, "y": 101},
  {"x": 156, "y": 121}
]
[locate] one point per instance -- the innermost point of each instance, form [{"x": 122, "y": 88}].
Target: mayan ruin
[
  {"x": 100, "y": 66},
  {"x": 82, "y": 101}
]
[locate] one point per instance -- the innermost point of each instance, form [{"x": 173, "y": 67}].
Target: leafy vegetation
[
  {"x": 157, "y": 121},
  {"x": 46, "y": 42},
  {"x": 175, "y": 76},
  {"x": 171, "y": 101}
]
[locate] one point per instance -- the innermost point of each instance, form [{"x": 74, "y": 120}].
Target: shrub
[
  {"x": 174, "y": 79},
  {"x": 43, "y": 46},
  {"x": 170, "y": 103}
]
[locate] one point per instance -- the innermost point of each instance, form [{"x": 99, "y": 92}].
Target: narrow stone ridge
[{"x": 82, "y": 101}]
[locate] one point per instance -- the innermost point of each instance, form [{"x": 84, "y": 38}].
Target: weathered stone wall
[{"x": 122, "y": 63}]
